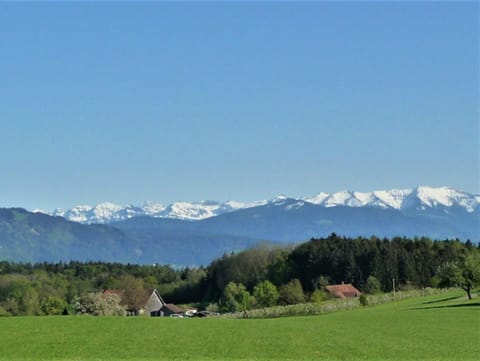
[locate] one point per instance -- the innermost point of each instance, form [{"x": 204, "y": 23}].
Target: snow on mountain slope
[
  {"x": 420, "y": 198},
  {"x": 417, "y": 199},
  {"x": 393, "y": 198},
  {"x": 203, "y": 209},
  {"x": 445, "y": 196},
  {"x": 110, "y": 212},
  {"x": 381, "y": 199},
  {"x": 191, "y": 211},
  {"x": 107, "y": 212}
]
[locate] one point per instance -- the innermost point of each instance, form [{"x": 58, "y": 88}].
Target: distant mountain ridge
[
  {"x": 421, "y": 198},
  {"x": 195, "y": 233},
  {"x": 108, "y": 212}
]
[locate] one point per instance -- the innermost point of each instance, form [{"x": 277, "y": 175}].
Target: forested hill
[
  {"x": 36, "y": 237},
  {"x": 298, "y": 273}
]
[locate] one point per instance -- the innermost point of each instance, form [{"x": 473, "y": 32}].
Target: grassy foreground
[{"x": 441, "y": 327}]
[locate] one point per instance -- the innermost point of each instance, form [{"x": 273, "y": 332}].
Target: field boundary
[{"x": 310, "y": 309}]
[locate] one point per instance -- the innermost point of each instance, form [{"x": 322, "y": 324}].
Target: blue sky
[{"x": 187, "y": 101}]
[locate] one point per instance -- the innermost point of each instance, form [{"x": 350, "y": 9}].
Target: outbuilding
[{"x": 343, "y": 290}]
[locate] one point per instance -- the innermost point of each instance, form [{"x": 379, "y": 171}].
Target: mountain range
[
  {"x": 196, "y": 233},
  {"x": 406, "y": 200}
]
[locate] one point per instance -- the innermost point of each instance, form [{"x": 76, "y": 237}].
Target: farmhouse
[
  {"x": 152, "y": 304},
  {"x": 343, "y": 291}
]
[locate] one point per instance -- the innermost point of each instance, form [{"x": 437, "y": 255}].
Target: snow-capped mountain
[
  {"x": 109, "y": 212},
  {"x": 418, "y": 199},
  {"x": 195, "y": 233},
  {"x": 202, "y": 209}
]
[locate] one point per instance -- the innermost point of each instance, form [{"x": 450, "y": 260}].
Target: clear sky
[{"x": 129, "y": 102}]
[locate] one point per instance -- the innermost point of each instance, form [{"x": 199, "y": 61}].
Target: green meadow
[{"x": 440, "y": 327}]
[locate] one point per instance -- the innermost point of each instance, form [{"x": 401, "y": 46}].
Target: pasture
[{"x": 440, "y": 327}]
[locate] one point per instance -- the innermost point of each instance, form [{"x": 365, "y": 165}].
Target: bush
[
  {"x": 301, "y": 309},
  {"x": 236, "y": 298},
  {"x": 4, "y": 312},
  {"x": 98, "y": 304},
  {"x": 363, "y": 300},
  {"x": 333, "y": 305},
  {"x": 52, "y": 305},
  {"x": 212, "y": 307},
  {"x": 319, "y": 296},
  {"x": 292, "y": 293},
  {"x": 266, "y": 294},
  {"x": 372, "y": 286}
]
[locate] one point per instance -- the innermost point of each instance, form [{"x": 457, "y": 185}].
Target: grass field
[{"x": 441, "y": 327}]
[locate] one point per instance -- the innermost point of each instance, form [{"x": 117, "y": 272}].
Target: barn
[{"x": 343, "y": 290}]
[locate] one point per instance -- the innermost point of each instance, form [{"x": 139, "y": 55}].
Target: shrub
[
  {"x": 98, "y": 304},
  {"x": 52, "y": 305},
  {"x": 212, "y": 307},
  {"x": 372, "y": 286},
  {"x": 236, "y": 298},
  {"x": 4, "y": 312},
  {"x": 363, "y": 300},
  {"x": 266, "y": 294},
  {"x": 292, "y": 293},
  {"x": 319, "y": 296},
  {"x": 333, "y": 305}
]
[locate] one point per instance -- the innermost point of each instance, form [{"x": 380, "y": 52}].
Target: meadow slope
[{"x": 441, "y": 327}]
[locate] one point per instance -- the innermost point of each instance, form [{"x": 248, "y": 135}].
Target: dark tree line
[
  {"x": 412, "y": 262},
  {"x": 52, "y": 288}
]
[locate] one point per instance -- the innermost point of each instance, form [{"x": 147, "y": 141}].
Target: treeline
[
  {"x": 55, "y": 288},
  {"x": 272, "y": 274}
]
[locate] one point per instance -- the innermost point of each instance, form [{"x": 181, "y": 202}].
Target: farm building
[
  {"x": 152, "y": 304},
  {"x": 343, "y": 290},
  {"x": 170, "y": 309}
]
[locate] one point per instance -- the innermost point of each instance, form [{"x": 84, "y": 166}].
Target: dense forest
[{"x": 261, "y": 276}]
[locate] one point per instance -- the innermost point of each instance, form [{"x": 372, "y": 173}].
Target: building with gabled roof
[
  {"x": 343, "y": 290},
  {"x": 152, "y": 305}
]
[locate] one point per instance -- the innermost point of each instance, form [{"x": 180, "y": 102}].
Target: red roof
[
  {"x": 343, "y": 290},
  {"x": 113, "y": 292}
]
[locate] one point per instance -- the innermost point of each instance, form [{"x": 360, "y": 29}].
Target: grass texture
[{"x": 440, "y": 327}]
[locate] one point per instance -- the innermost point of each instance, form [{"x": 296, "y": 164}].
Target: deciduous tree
[
  {"x": 266, "y": 294},
  {"x": 464, "y": 273}
]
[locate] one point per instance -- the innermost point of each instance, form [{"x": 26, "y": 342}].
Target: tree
[
  {"x": 99, "y": 304},
  {"x": 134, "y": 294},
  {"x": 266, "y": 294},
  {"x": 464, "y": 273},
  {"x": 372, "y": 285},
  {"x": 52, "y": 305},
  {"x": 292, "y": 292},
  {"x": 319, "y": 295},
  {"x": 236, "y": 298}
]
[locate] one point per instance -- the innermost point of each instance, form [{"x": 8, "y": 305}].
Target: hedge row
[{"x": 309, "y": 309}]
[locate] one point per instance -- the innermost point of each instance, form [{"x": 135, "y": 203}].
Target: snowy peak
[
  {"x": 151, "y": 208},
  {"x": 319, "y": 198},
  {"x": 352, "y": 199},
  {"x": 393, "y": 198},
  {"x": 204, "y": 209},
  {"x": 446, "y": 197},
  {"x": 419, "y": 199},
  {"x": 191, "y": 211},
  {"x": 107, "y": 212}
]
